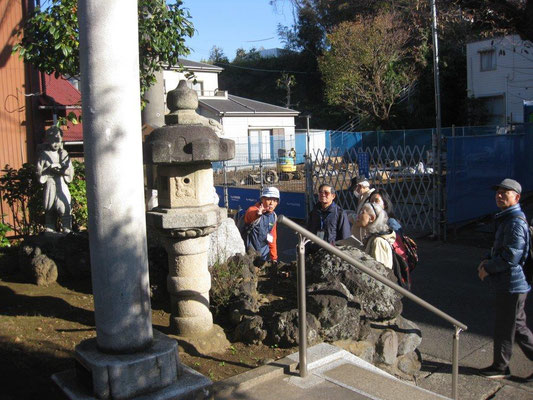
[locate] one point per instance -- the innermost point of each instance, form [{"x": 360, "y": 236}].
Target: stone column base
[
  {"x": 211, "y": 342},
  {"x": 154, "y": 373}
]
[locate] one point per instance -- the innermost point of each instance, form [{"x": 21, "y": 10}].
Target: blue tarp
[
  {"x": 291, "y": 204},
  {"x": 475, "y": 164}
]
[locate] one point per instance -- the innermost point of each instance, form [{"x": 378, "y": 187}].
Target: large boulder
[
  {"x": 225, "y": 242},
  {"x": 377, "y": 301},
  {"x": 333, "y": 305},
  {"x": 285, "y": 328}
]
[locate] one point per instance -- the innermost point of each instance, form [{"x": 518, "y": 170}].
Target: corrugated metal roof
[{"x": 235, "y": 105}]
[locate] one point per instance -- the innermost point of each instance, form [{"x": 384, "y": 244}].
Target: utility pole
[{"x": 439, "y": 226}]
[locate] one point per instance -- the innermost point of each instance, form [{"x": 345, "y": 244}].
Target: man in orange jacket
[{"x": 260, "y": 220}]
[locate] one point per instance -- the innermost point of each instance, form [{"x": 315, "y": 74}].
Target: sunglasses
[{"x": 324, "y": 192}]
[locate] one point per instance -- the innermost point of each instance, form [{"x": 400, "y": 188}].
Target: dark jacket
[
  {"x": 332, "y": 221},
  {"x": 509, "y": 252}
]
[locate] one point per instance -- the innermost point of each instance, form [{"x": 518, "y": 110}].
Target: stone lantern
[{"x": 182, "y": 152}]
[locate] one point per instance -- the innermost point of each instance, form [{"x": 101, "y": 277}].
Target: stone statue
[{"x": 55, "y": 171}]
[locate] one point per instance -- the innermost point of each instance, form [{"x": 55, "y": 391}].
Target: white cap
[
  {"x": 270, "y": 192},
  {"x": 364, "y": 182}
]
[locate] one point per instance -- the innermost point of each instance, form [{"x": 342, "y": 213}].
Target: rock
[
  {"x": 250, "y": 330},
  {"x": 225, "y": 242},
  {"x": 43, "y": 270},
  {"x": 285, "y": 328},
  {"x": 409, "y": 343},
  {"x": 387, "y": 347},
  {"x": 364, "y": 329},
  {"x": 409, "y": 363},
  {"x": 362, "y": 349},
  {"x": 68, "y": 252},
  {"x": 377, "y": 301},
  {"x": 338, "y": 317}
]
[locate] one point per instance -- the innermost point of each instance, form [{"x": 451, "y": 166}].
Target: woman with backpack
[{"x": 376, "y": 237}]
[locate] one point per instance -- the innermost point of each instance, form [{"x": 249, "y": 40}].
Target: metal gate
[{"x": 406, "y": 173}]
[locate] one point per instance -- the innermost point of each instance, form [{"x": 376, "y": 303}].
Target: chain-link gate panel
[{"x": 401, "y": 171}]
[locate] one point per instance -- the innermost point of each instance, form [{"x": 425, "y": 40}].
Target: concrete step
[{"x": 333, "y": 374}]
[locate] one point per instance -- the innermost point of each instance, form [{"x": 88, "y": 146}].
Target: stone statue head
[{"x": 53, "y": 137}]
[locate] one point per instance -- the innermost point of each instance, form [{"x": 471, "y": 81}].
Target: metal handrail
[{"x": 306, "y": 236}]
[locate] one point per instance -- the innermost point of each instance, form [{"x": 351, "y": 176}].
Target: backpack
[
  {"x": 401, "y": 270},
  {"x": 400, "y": 260},
  {"x": 406, "y": 248},
  {"x": 527, "y": 268}
]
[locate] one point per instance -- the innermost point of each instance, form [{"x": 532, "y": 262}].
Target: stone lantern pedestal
[{"x": 183, "y": 151}]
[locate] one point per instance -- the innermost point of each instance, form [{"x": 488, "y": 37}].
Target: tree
[
  {"x": 216, "y": 55},
  {"x": 50, "y": 39},
  {"x": 286, "y": 82},
  {"x": 369, "y": 66},
  {"x": 496, "y": 17}
]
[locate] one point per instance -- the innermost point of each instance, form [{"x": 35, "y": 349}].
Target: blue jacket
[
  {"x": 509, "y": 252},
  {"x": 332, "y": 221}
]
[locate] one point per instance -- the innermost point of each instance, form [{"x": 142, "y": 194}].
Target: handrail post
[
  {"x": 455, "y": 361},
  {"x": 302, "y": 312}
]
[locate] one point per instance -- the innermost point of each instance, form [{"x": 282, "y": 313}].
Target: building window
[
  {"x": 488, "y": 60},
  {"x": 197, "y": 86},
  {"x": 260, "y": 145}
]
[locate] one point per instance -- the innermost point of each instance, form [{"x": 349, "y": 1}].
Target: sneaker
[{"x": 493, "y": 373}]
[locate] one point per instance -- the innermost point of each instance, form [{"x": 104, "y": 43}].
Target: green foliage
[
  {"x": 51, "y": 38},
  {"x": 78, "y": 192},
  {"x": 225, "y": 278},
  {"x": 368, "y": 66},
  {"x": 23, "y": 194},
  {"x": 4, "y": 229}
]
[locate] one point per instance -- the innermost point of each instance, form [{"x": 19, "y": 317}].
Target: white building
[
  {"x": 259, "y": 129},
  {"x": 500, "y": 71}
]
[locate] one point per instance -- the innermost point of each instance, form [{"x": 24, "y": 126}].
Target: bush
[
  {"x": 4, "y": 229},
  {"x": 23, "y": 194},
  {"x": 78, "y": 192},
  {"x": 225, "y": 280}
]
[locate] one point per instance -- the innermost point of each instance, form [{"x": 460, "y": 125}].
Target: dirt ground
[{"x": 40, "y": 327}]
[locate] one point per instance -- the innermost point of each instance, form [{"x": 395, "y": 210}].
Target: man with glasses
[
  {"x": 504, "y": 274},
  {"x": 327, "y": 219}
]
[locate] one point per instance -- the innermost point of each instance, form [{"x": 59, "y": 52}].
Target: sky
[{"x": 233, "y": 24}]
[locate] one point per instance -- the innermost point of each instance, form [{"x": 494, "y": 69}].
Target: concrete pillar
[
  {"x": 109, "y": 61},
  {"x": 153, "y": 113}
]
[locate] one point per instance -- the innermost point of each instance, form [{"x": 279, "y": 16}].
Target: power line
[{"x": 261, "y": 70}]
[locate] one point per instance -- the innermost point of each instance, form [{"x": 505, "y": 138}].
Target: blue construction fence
[
  {"x": 475, "y": 164},
  {"x": 345, "y": 141},
  {"x": 291, "y": 204}
]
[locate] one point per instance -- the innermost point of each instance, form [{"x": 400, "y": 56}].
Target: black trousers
[{"x": 510, "y": 327}]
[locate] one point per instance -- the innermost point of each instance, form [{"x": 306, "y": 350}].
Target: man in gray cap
[{"x": 503, "y": 272}]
